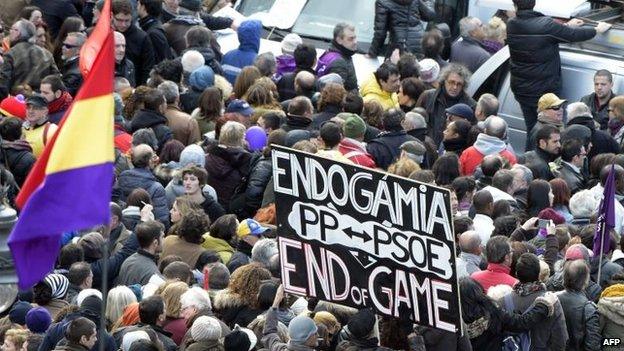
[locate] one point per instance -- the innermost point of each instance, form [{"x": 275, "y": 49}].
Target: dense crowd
[{"x": 190, "y": 256}]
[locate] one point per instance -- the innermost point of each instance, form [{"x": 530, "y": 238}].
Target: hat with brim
[
  {"x": 549, "y": 100},
  {"x": 36, "y": 100}
]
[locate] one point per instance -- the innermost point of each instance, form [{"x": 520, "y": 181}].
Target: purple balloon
[{"x": 256, "y": 138}]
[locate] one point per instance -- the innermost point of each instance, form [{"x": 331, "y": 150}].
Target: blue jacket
[
  {"x": 56, "y": 334},
  {"x": 143, "y": 178},
  {"x": 249, "y": 38}
]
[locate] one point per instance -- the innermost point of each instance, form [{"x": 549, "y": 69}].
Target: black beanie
[
  {"x": 362, "y": 323},
  {"x": 236, "y": 341}
]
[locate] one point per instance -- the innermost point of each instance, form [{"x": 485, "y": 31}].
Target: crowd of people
[{"x": 190, "y": 258}]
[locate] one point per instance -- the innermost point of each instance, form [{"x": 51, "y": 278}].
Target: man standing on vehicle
[
  {"x": 534, "y": 52},
  {"x": 339, "y": 57},
  {"x": 598, "y": 101}
]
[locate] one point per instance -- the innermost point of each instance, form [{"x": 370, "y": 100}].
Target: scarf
[
  {"x": 60, "y": 104},
  {"x": 525, "y": 289}
]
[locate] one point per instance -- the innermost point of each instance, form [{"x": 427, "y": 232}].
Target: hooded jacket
[
  {"x": 485, "y": 145},
  {"x": 145, "y": 179},
  {"x": 220, "y": 246},
  {"x": 232, "y": 309},
  {"x": 227, "y": 166},
  {"x": 403, "y": 19},
  {"x": 611, "y": 309},
  {"x": 155, "y": 121},
  {"x": 249, "y": 39},
  {"x": 371, "y": 90}
]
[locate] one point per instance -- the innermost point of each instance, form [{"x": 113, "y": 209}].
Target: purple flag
[{"x": 606, "y": 216}]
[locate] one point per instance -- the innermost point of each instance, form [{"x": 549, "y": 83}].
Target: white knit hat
[
  {"x": 58, "y": 283},
  {"x": 290, "y": 43},
  {"x": 429, "y": 70},
  {"x": 131, "y": 337},
  {"x": 206, "y": 328}
]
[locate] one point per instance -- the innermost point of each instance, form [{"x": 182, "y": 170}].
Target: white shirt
[
  {"x": 484, "y": 226},
  {"x": 498, "y": 194}
]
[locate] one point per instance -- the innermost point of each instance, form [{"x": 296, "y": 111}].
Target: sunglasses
[{"x": 555, "y": 108}]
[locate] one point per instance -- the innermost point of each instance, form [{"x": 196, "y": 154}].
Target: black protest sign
[{"x": 359, "y": 237}]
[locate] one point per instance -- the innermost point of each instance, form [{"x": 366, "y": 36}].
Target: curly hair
[
  {"x": 192, "y": 227},
  {"x": 135, "y": 101},
  {"x": 246, "y": 281},
  {"x": 332, "y": 94},
  {"x": 458, "y": 69},
  {"x": 372, "y": 112}
]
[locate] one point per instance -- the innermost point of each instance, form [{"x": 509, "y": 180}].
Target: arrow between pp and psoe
[{"x": 362, "y": 235}]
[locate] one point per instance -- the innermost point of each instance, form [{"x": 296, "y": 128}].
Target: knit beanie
[
  {"x": 362, "y": 323},
  {"x": 192, "y": 60},
  {"x": 354, "y": 126},
  {"x": 131, "y": 337},
  {"x": 301, "y": 328},
  {"x": 58, "y": 283},
  {"x": 193, "y": 154},
  {"x": 18, "y": 312},
  {"x": 14, "y": 106},
  {"x": 206, "y": 328},
  {"x": 256, "y": 138},
  {"x": 549, "y": 213},
  {"x": 290, "y": 43},
  {"x": 202, "y": 78},
  {"x": 91, "y": 305},
  {"x": 38, "y": 320},
  {"x": 429, "y": 70}
]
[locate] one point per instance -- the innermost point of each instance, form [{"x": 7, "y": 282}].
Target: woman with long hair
[
  {"x": 174, "y": 323},
  {"x": 539, "y": 197},
  {"x": 446, "y": 169},
  {"x": 238, "y": 304},
  {"x": 561, "y": 198},
  {"x": 118, "y": 299},
  {"x": 210, "y": 108}
]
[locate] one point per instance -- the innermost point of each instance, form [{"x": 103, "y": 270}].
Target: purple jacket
[{"x": 285, "y": 64}]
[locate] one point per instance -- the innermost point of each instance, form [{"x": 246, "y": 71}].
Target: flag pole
[
  {"x": 602, "y": 230},
  {"x": 104, "y": 287}
]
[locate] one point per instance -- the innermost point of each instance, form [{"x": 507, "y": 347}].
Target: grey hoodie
[{"x": 489, "y": 145}]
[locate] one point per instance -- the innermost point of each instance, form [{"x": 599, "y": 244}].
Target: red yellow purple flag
[{"x": 69, "y": 188}]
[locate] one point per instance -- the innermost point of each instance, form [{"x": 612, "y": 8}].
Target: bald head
[
  {"x": 470, "y": 242},
  {"x": 120, "y": 47},
  {"x": 142, "y": 155},
  {"x": 496, "y": 127},
  {"x": 304, "y": 82}
]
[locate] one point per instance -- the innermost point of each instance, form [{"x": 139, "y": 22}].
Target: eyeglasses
[
  {"x": 70, "y": 46},
  {"x": 555, "y": 108}
]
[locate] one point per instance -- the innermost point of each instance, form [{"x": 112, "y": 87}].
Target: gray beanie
[
  {"x": 206, "y": 328},
  {"x": 193, "y": 154},
  {"x": 301, "y": 328}
]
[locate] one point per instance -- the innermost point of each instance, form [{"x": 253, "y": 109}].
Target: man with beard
[
  {"x": 453, "y": 81},
  {"x": 57, "y": 96},
  {"x": 598, "y": 101},
  {"x": 25, "y": 62}
]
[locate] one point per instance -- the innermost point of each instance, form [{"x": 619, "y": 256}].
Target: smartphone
[{"x": 543, "y": 223}]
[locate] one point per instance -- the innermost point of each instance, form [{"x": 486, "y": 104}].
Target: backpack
[
  {"x": 515, "y": 341},
  {"x": 325, "y": 61}
]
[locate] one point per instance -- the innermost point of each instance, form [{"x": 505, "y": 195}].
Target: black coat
[
  {"x": 602, "y": 142},
  {"x": 436, "y": 101},
  {"x": 55, "y": 12},
  {"x": 533, "y": 41},
  {"x": 227, "y": 166},
  {"x": 343, "y": 66},
  {"x": 155, "y": 31},
  {"x": 72, "y": 78},
  {"x": 385, "y": 149},
  {"x": 250, "y": 198},
  {"x": 582, "y": 321},
  {"x": 189, "y": 100},
  {"x": 140, "y": 51},
  {"x": 155, "y": 121},
  {"x": 19, "y": 159},
  {"x": 402, "y": 18},
  {"x": 537, "y": 161},
  {"x": 575, "y": 180},
  {"x": 125, "y": 69},
  {"x": 329, "y": 112},
  {"x": 600, "y": 113}
]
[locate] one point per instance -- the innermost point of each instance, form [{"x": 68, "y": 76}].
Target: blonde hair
[
  {"x": 544, "y": 271},
  {"x": 403, "y": 167},
  {"x": 222, "y": 84},
  {"x": 171, "y": 294},
  {"x": 232, "y": 134},
  {"x": 496, "y": 30},
  {"x": 18, "y": 336},
  {"x": 118, "y": 298}
]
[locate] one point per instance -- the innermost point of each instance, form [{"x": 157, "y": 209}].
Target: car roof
[{"x": 554, "y": 8}]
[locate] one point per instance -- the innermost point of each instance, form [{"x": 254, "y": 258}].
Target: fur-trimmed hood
[{"x": 227, "y": 299}]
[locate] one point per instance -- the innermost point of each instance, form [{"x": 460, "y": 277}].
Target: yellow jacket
[
  {"x": 371, "y": 90},
  {"x": 34, "y": 135},
  {"x": 220, "y": 246}
]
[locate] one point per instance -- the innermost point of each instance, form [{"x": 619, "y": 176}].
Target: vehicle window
[
  {"x": 247, "y": 8},
  {"x": 318, "y": 18}
]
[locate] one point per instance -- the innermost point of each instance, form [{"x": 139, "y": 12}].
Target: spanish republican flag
[{"x": 69, "y": 188}]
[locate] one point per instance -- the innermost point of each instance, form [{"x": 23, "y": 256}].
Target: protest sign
[{"x": 363, "y": 238}]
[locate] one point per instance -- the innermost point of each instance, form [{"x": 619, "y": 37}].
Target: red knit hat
[
  {"x": 549, "y": 213},
  {"x": 13, "y": 106}
]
